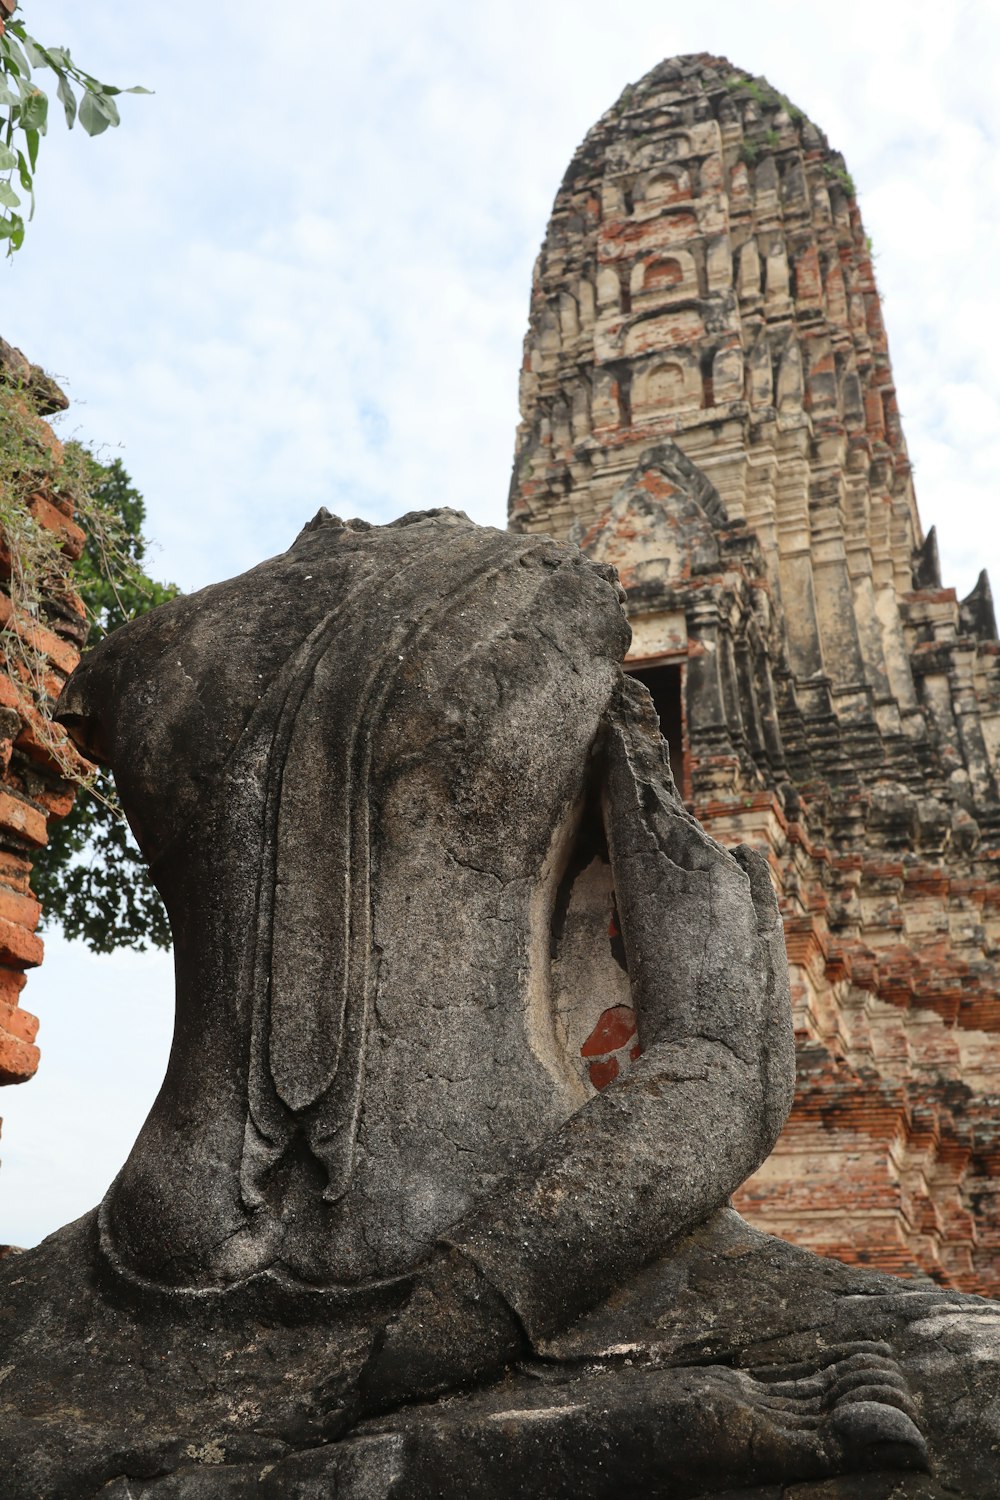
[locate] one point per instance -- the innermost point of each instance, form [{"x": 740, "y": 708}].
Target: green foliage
[
  {"x": 91, "y": 878},
  {"x": 791, "y": 110},
  {"x": 109, "y": 576},
  {"x": 625, "y": 99},
  {"x": 24, "y": 116},
  {"x": 757, "y": 90},
  {"x": 749, "y": 152},
  {"x": 839, "y": 174},
  {"x": 92, "y": 881},
  {"x": 38, "y": 570},
  {"x": 761, "y": 92}
]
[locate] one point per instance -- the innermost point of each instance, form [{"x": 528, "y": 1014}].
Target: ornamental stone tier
[{"x": 708, "y": 404}]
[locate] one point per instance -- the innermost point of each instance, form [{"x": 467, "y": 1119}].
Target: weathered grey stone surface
[{"x": 380, "y": 1236}]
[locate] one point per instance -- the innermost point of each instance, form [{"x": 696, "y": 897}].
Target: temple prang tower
[{"x": 707, "y": 402}]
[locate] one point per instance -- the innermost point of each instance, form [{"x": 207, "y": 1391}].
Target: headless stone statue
[{"x": 389, "y": 1229}]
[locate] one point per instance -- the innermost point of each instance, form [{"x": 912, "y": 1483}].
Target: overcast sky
[{"x": 298, "y": 276}]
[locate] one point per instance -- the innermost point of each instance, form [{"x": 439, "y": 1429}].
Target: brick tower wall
[{"x": 707, "y": 402}]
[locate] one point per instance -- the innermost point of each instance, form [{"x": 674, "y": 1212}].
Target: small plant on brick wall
[
  {"x": 72, "y": 550},
  {"x": 839, "y": 174},
  {"x": 36, "y": 560},
  {"x": 764, "y": 95}
]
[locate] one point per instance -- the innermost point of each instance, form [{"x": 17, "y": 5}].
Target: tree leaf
[
  {"x": 7, "y": 96},
  {"x": 8, "y": 197},
  {"x": 91, "y": 118},
  {"x": 14, "y": 54},
  {"x": 137, "y": 88},
  {"x": 68, "y": 99},
  {"x": 25, "y": 175},
  {"x": 108, "y": 108},
  {"x": 35, "y": 54},
  {"x": 35, "y": 111},
  {"x": 12, "y": 230},
  {"x": 32, "y": 138},
  {"x": 8, "y": 158}
]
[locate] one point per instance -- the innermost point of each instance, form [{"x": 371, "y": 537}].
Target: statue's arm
[{"x": 668, "y": 1142}]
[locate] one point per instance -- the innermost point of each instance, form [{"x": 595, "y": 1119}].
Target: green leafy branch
[{"x": 24, "y": 116}]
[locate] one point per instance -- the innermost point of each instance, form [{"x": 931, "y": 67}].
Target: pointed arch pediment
[{"x": 661, "y": 527}]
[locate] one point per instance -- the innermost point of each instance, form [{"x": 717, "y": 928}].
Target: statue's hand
[{"x": 455, "y": 1331}]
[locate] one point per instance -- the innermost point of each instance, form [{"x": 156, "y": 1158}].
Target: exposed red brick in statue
[
  {"x": 31, "y": 787},
  {"x": 612, "y": 1044},
  {"x": 614, "y": 1028},
  {"x": 707, "y": 403}
]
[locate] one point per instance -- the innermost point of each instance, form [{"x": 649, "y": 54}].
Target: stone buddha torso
[{"x": 358, "y": 772}]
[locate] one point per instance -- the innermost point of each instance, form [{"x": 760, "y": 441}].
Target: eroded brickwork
[
  {"x": 707, "y": 402},
  {"x": 36, "y": 650}
]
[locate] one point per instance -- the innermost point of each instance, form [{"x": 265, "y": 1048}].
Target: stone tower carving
[{"x": 708, "y": 403}]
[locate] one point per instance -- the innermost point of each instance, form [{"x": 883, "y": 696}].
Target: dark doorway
[{"x": 666, "y": 688}]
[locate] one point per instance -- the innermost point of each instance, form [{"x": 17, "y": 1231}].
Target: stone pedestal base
[{"x": 739, "y": 1367}]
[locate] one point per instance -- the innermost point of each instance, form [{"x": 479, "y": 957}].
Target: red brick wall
[{"x": 32, "y": 788}]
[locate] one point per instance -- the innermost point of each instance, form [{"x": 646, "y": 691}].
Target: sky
[{"x": 298, "y": 275}]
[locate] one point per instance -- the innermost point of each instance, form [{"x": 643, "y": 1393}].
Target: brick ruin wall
[
  {"x": 32, "y": 790},
  {"x": 707, "y": 402}
]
